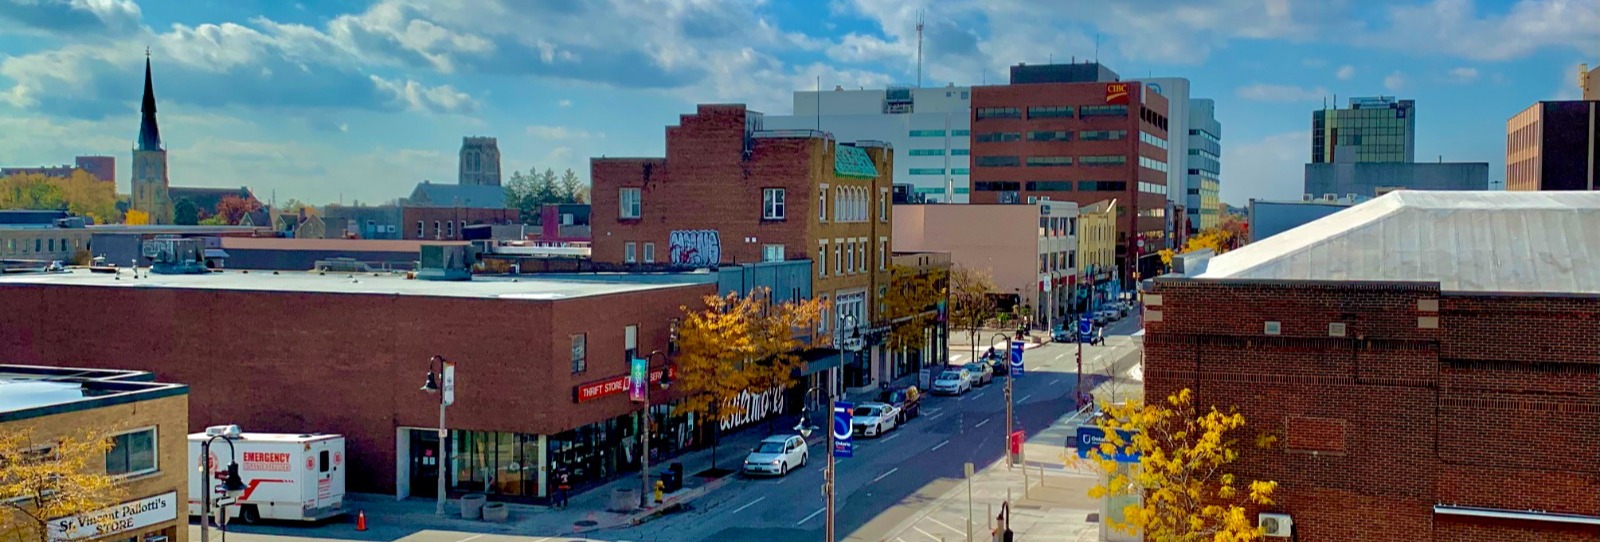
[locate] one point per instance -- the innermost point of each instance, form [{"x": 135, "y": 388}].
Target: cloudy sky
[{"x": 329, "y": 100}]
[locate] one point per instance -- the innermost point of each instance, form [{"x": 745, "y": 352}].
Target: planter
[
  {"x": 624, "y": 499},
  {"x": 496, "y": 512},
  {"x": 472, "y": 505}
]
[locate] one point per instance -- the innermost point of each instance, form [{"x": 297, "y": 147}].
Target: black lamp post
[
  {"x": 644, "y": 458},
  {"x": 231, "y": 484},
  {"x": 805, "y": 428},
  {"x": 441, "y": 380}
]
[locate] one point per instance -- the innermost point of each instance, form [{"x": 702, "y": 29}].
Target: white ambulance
[{"x": 286, "y": 476}]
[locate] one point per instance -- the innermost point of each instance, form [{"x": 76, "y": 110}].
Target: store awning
[{"x": 1524, "y": 515}]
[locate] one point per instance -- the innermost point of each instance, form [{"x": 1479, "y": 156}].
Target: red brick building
[
  {"x": 1082, "y": 142},
  {"x": 1429, "y": 360},
  {"x": 538, "y": 363},
  {"x": 446, "y": 223}
]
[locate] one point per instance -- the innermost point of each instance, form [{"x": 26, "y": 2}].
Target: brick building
[
  {"x": 1429, "y": 361},
  {"x": 447, "y": 223},
  {"x": 728, "y": 192},
  {"x": 540, "y": 363},
  {"x": 1079, "y": 139}
]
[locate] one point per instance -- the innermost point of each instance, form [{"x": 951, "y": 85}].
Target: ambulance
[{"x": 286, "y": 476}]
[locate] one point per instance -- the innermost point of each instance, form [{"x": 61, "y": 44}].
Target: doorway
[{"x": 426, "y": 455}]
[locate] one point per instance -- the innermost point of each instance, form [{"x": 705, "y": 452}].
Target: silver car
[
  {"x": 776, "y": 455},
  {"x": 952, "y": 382}
]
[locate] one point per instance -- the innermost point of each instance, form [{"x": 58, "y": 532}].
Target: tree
[
  {"x": 81, "y": 194},
  {"x": 736, "y": 345},
  {"x": 1217, "y": 239},
  {"x": 1188, "y": 491},
  {"x": 42, "y": 480},
  {"x": 136, "y": 217},
  {"x": 185, "y": 213},
  {"x": 231, "y": 208},
  {"x": 912, "y": 294},
  {"x": 970, "y": 303},
  {"x": 87, "y": 195},
  {"x": 572, "y": 189}
]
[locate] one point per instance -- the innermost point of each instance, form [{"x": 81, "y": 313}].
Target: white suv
[{"x": 776, "y": 454}]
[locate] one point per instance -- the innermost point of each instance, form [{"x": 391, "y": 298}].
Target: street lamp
[
  {"x": 850, "y": 320},
  {"x": 805, "y": 428},
  {"x": 644, "y": 458},
  {"x": 441, "y": 380},
  {"x": 230, "y": 482},
  {"x": 1009, "y": 372}
]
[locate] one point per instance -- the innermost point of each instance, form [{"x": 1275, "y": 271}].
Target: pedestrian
[{"x": 563, "y": 486}]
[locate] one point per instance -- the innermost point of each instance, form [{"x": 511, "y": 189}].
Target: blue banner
[
  {"x": 842, "y": 446},
  {"x": 1016, "y": 358},
  {"x": 638, "y": 374},
  {"x": 1085, "y": 329},
  {"x": 1090, "y": 437}
]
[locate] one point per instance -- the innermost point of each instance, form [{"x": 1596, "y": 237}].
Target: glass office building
[{"x": 1377, "y": 129}]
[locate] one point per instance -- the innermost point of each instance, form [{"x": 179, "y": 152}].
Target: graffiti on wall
[
  {"x": 753, "y": 407},
  {"x": 695, "y": 247}
]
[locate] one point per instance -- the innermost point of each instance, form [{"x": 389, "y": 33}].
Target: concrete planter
[
  {"x": 624, "y": 499},
  {"x": 496, "y": 512},
  {"x": 472, "y": 505}
]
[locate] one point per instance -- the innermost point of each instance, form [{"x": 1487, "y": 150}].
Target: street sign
[
  {"x": 638, "y": 369},
  {"x": 842, "y": 446},
  {"x": 1016, "y": 358},
  {"x": 225, "y": 501},
  {"x": 1090, "y": 437},
  {"x": 449, "y": 383}
]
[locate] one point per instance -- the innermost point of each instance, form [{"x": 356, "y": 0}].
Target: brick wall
[
  {"x": 436, "y": 221},
  {"x": 1496, "y": 407}
]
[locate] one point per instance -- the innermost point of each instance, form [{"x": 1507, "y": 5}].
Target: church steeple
[{"x": 149, "y": 133}]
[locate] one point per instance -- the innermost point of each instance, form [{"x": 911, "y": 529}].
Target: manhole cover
[
  {"x": 1093, "y": 518},
  {"x": 586, "y": 523}
]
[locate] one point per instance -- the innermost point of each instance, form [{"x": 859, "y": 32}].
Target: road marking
[
  {"x": 936, "y": 447},
  {"x": 930, "y": 535},
  {"x": 749, "y": 504},
  {"x": 936, "y": 415},
  {"x": 470, "y": 538},
  {"x": 808, "y": 518},
  {"x": 889, "y": 438},
  {"x": 1024, "y": 398},
  {"x": 941, "y": 523},
  {"x": 980, "y": 424},
  {"x": 881, "y": 476},
  {"x": 1053, "y": 382}
]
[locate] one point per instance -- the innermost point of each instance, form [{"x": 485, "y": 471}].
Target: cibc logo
[{"x": 1116, "y": 93}]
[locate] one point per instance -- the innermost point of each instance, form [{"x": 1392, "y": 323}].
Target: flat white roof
[
  {"x": 525, "y": 287},
  {"x": 1523, "y": 242}
]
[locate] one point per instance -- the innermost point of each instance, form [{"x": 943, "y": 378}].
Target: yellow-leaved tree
[
  {"x": 45, "y": 479},
  {"x": 971, "y": 306},
  {"x": 135, "y": 217},
  {"x": 912, "y": 302},
  {"x": 737, "y": 344},
  {"x": 1183, "y": 488},
  {"x": 1217, "y": 239}
]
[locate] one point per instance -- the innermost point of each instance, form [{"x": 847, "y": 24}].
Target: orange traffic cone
[{"x": 361, "y": 520}]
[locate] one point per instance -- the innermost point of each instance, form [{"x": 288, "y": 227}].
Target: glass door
[{"x": 425, "y": 463}]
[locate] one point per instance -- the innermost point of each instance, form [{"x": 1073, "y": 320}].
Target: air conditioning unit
[
  {"x": 1330, "y": 197},
  {"x": 1307, "y": 197},
  {"x": 1350, "y": 198},
  {"x": 1275, "y": 525}
]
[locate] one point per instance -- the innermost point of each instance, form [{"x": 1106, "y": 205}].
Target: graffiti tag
[{"x": 695, "y": 247}]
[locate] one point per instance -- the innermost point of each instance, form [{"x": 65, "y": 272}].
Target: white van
[{"x": 286, "y": 476}]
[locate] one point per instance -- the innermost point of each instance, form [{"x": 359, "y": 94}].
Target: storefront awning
[{"x": 1524, "y": 515}]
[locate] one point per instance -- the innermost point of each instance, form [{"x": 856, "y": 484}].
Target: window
[
  {"x": 630, "y": 252},
  {"x": 961, "y": 132},
  {"x": 883, "y": 205},
  {"x": 1072, "y": 259},
  {"x": 772, "y": 204},
  {"x": 861, "y": 255},
  {"x": 463, "y": 228},
  {"x": 422, "y": 231},
  {"x": 772, "y": 253},
  {"x": 451, "y": 230},
  {"x": 649, "y": 253},
  {"x": 580, "y": 354},
  {"x": 1049, "y": 161},
  {"x": 1044, "y": 264},
  {"x": 630, "y": 343},
  {"x": 838, "y": 261},
  {"x": 822, "y": 204},
  {"x": 1152, "y": 139},
  {"x": 1102, "y": 186},
  {"x": 927, "y": 133},
  {"x": 52, "y": 245},
  {"x": 996, "y": 161},
  {"x": 1105, "y": 160},
  {"x": 883, "y": 253},
  {"x": 998, "y": 113},
  {"x": 996, "y": 186},
  {"x": 822, "y": 320},
  {"x": 1152, "y": 188},
  {"x": 437, "y": 229},
  {"x": 997, "y": 137},
  {"x": 132, "y": 453},
  {"x": 927, "y": 171},
  {"x": 1103, "y": 111},
  {"x": 959, "y": 171},
  {"x": 822, "y": 260},
  {"x": 630, "y": 200},
  {"x": 1102, "y": 135},
  {"x": 1057, "y": 135},
  {"x": 1050, "y": 186},
  {"x": 322, "y": 461},
  {"x": 1153, "y": 164},
  {"x": 850, "y": 258},
  {"x": 927, "y": 152},
  {"x": 1050, "y": 112},
  {"x": 960, "y": 152}
]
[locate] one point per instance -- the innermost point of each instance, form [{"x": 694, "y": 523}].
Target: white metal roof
[{"x": 1466, "y": 241}]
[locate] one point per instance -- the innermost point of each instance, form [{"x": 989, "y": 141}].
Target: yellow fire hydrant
[{"x": 659, "y": 487}]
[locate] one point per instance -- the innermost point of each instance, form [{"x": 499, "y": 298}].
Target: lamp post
[
  {"x": 805, "y": 428},
  {"x": 443, "y": 384},
  {"x": 644, "y": 458},
  {"x": 1009, "y": 372},
  {"x": 850, "y": 325},
  {"x": 230, "y": 483}
]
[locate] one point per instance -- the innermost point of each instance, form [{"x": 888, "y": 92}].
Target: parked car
[
  {"x": 908, "y": 400},
  {"x": 980, "y": 373},
  {"x": 874, "y": 419},
  {"x": 777, "y": 454},
  {"x": 1108, "y": 315},
  {"x": 1064, "y": 334},
  {"x": 952, "y": 382},
  {"x": 999, "y": 366}
]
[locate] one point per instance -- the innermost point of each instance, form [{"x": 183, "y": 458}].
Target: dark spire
[{"x": 149, "y": 133}]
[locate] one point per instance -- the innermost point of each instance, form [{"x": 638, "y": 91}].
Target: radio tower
[{"x": 919, "y": 49}]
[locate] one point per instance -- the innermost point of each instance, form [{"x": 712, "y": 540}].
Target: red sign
[
  {"x": 1016, "y": 442},
  {"x": 264, "y": 461},
  {"x": 1117, "y": 93},
  {"x": 611, "y": 386}
]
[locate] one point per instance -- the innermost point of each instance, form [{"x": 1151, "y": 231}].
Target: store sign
[
  {"x": 128, "y": 516},
  {"x": 583, "y": 393},
  {"x": 1117, "y": 93}
]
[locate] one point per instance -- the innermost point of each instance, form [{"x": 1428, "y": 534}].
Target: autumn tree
[
  {"x": 232, "y": 208},
  {"x": 912, "y": 297},
  {"x": 970, "y": 303},
  {"x": 135, "y": 217},
  {"x": 81, "y": 194},
  {"x": 737, "y": 344},
  {"x": 1184, "y": 488},
  {"x": 185, "y": 213},
  {"x": 44, "y": 479},
  {"x": 1219, "y": 240}
]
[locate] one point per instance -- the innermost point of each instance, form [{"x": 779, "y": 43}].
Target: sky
[{"x": 357, "y": 101}]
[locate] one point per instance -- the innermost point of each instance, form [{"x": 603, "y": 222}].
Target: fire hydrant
[{"x": 659, "y": 487}]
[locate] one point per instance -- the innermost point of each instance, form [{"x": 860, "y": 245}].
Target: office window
[
  {"x": 631, "y": 201},
  {"x": 772, "y": 204},
  {"x": 822, "y": 204},
  {"x": 997, "y": 137},
  {"x": 422, "y": 231},
  {"x": 580, "y": 353},
  {"x": 437, "y": 229},
  {"x": 927, "y": 152},
  {"x": 997, "y": 161},
  {"x": 996, "y": 186},
  {"x": 463, "y": 228},
  {"x": 960, "y": 152},
  {"x": 649, "y": 253},
  {"x": 959, "y": 171},
  {"x": 1104, "y": 160},
  {"x": 998, "y": 113},
  {"x": 133, "y": 453},
  {"x": 1049, "y": 186},
  {"x": 1102, "y": 186},
  {"x": 1050, "y": 112},
  {"x": 850, "y": 258},
  {"x": 450, "y": 230},
  {"x": 1153, "y": 164},
  {"x": 1048, "y": 135},
  {"x": 927, "y": 133},
  {"x": 630, "y": 252},
  {"x": 630, "y": 343},
  {"x": 1152, "y": 139},
  {"x": 1102, "y": 135},
  {"x": 772, "y": 253},
  {"x": 861, "y": 256},
  {"x": 1049, "y": 161},
  {"x": 926, "y": 171},
  {"x": 1152, "y": 188},
  {"x": 961, "y": 132},
  {"x": 883, "y": 205},
  {"x": 822, "y": 259},
  {"x": 1103, "y": 111}
]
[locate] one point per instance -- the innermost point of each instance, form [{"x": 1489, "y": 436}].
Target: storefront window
[{"x": 494, "y": 462}]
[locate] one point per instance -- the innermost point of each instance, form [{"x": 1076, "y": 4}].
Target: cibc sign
[{"x": 117, "y": 519}]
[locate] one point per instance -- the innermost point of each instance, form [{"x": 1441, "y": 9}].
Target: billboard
[{"x": 1117, "y": 93}]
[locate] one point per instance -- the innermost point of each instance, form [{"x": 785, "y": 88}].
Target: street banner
[
  {"x": 1090, "y": 437},
  {"x": 1085, "y": 330},
  {"x": 449, "y": 383},
  {"x": 1016, "y": 358},
  {"x": 842, "y": 446},
  {"x": 637, "y": 369}
]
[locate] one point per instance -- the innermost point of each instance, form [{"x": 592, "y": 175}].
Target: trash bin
[
  {"x": 672, "y": 478},
  {"x": 496, "y": 512},
  {"x": 624, "y": 499},
  {"x": 472, "y": 505}
]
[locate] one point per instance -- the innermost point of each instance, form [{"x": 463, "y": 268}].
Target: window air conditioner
[
  {"x": 1330, "y": 197},
  {"x": 1275, "y": 525},
  {"x": 1307, "y": 197}
]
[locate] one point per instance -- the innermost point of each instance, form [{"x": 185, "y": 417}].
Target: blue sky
[{"x": 347, "y": 100}]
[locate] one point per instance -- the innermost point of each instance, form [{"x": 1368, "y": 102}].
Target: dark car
[
  {"x": 1064, "y": 335},
  {"x": 907, "y": 399},
  {"x": 997, "y": 361}
]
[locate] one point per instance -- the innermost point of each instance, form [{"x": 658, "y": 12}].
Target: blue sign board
[
  {"x": 1016, "y": 358},
  {"x": 1085, "y": 329},
  {"x": 1090, "y": 437},
  {"x": 638, "y": 374},
  {"x": 842, "y": 446}
]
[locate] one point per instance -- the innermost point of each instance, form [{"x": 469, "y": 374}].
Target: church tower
[{"x": 150, "y": 160}]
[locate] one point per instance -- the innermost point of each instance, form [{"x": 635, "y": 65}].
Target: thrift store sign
[{"x": 128, "y": 516}]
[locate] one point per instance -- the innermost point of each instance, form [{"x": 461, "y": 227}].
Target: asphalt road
[{"x": 889, "y": 477}]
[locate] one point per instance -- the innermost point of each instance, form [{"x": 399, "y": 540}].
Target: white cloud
[
  {"x": 557, "y": 133},
  {"x": 414, "y": 96},
  {"x": 1346, "y": 72},
  {"x": 1395, "y": 81},
  {"x": 1463, "y": 75},
  {"x": 1263, "y": 92},
  {"x": 1455, "y": 28},
  {"x": 1272, "y": 167},
  {"x": 564, "y": 104}
]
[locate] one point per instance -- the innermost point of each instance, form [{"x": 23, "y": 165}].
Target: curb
[{"x": 668, "y": 504}]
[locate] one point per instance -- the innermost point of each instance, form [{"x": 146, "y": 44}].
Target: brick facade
[
  {"x": 1429, "y": 398},
  {"x": 447, "y": 222}
]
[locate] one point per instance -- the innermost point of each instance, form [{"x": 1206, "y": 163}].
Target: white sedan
[
  {"x": 776, "y": 455},
  {"x": 874, "y": 419}
]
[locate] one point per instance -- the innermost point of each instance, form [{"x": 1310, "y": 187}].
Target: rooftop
[
  {"x": 1515, "y": 242},
  {"x": 28, "y": 391},
  {"x": 525, "y": 287}
]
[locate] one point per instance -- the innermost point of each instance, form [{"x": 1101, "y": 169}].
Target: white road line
[
  {"x": 889, "y": 438},
  {"x": 749, "y": 504},
  {"x": 471, "y": 537},
  {"x": 936, "y": 447},
  {"x": 881, "y": 476},
  {"x": 942, "y": 524},
  {"x": 898, "y": 539},
  {"x": 1024, "y": 398},
  {"x": 808, "y": 518},
  {"x": 980, "y": 424},
  {"x": 930, "y": 535}
]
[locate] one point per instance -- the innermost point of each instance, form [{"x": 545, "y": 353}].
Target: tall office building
[
  {"x": 1176, "y": 90},
  {"x": 1202, "y": 166},
  {"x": 929, "y": 129},
  {"x": 1377, "y": 129},
  {"x": 480, "y": 161},
  {"x": 1552, "y": 146}
]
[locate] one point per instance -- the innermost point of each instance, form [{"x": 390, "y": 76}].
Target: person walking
[{"x": 563, "y": 486}]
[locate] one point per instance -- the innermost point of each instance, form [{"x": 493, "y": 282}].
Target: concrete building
[
  {"x": 1401, "y": 369},
  {"x": 728, "y": 191},
  {"x": 148, "y": 422},
  {"x": 450, "y": 223},
  {"x": 930, "y": 128},
  {"x": 1345, "y": 179},
  {"x": 363, "y": 222},
  {"x": 149, "y": 178},
  {"x": 1031, "y": 251},
  {"x": 1202, "y": 167},
  {"x": 1176, "y": 90},
  {"x": 1082, "y": 142},
  {"x": 102, "y": 167},
  {"x": 480, "y": 162},
  {"x": 1268, "y": 218},
  {"x": 1551, "y": 146},
  {"x": 1097, "y": 257},
  {"x": 277, "y": 254},
  {"x": 1375, "y": 129}
]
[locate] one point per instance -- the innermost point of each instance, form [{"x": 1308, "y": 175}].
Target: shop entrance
[{"x": 425, "y": 463}]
